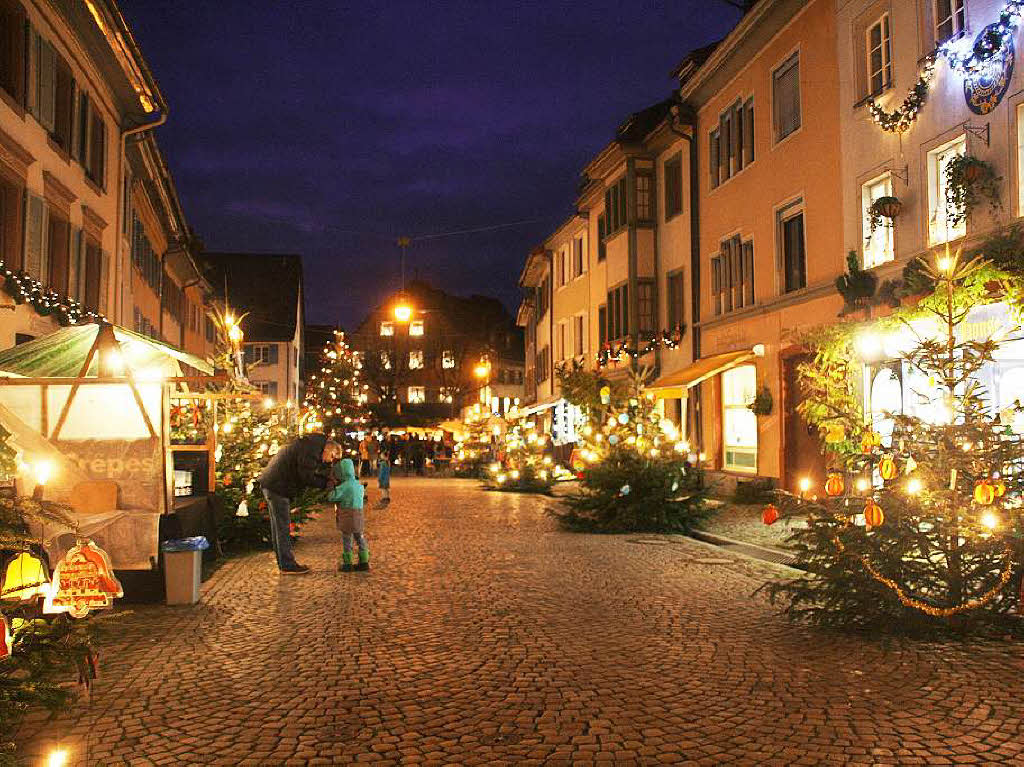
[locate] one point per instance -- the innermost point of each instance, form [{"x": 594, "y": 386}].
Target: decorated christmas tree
[
  {"x": 918, "y": 524},
  {"x": 524, "y": 463},
  {"x": 39, "y": 654},
  {"x": 335, "y": 396},
  {"x": 475, "y": 451},
  {"x": 631, "y": 463}
]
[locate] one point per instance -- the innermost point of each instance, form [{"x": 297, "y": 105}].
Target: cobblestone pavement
[{"x": 485, "y": 636}]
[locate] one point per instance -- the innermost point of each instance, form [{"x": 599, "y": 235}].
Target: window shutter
[
  {"x": 716, "y": 284},
  {"x": 32, "y": 71},
  {"x": 35, "y": 212},
  {"x": 97, "y": 149},
  {"x": 13, "y": 222},
  {"x": 724, "y": 147},
  {"x": 250, "y": 355},
  {"x": 47, "y": 84},
  {"x": 74, "y": 262},
  {"x": 713, "y": 157},
  {"x": 748, "y": 272},
  {"x": 737, "y": 136},
  {"x": 105, "y": 307},
  {"x": 76, "y": 126},
  {"x": 748, "y": 130},
  {"x": 272, "y": 354}
]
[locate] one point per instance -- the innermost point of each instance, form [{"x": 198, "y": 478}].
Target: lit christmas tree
[
  {"x": 475, "y": 451},
  {"x": 631, "y": 462},
  {"x": 524, "y": 465},
  {"x": 336, "y": 396},
  {"x": 919, "y": 522}
]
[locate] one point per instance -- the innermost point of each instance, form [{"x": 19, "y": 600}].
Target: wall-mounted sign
[
  {"x": 985, "y": 89},
  {"x": 82, "y": 581}
]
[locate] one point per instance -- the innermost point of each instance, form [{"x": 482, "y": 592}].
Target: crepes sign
[{"x": 82, "y": 581}]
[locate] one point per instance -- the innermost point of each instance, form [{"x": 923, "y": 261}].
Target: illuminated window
[
  {"x": 448, "y": 359},
  {"x": 387, "y": 328},
  {"x": 416, "y": 328},
  {"x": 417, "y": 394},
  {"x": 416, "y": 359},
  {"x": 447, "y": 394},
  {"x": 385, "y": 360},
  {"x": 940, "y": 226},
  {"x": 879, "y": 49},
  {"x": 878, "y": 245},
  {"x": 739, "y": 424},
  {"x": 949, "y": 19}
]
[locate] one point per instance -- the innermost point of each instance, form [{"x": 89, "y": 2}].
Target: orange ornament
[
  {"x": 1000, "y": 487},
  {"x": 873, "y": 514},
  {"x": 834, "y": 485},
  {"x": 870, "y": 441},
  {"x": 770, "y": 515},
  {"x": 887, "y": 468},
  {"x": 984, "y": 493}
]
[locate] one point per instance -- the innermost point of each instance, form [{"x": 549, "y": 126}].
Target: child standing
[
  {"x": 384, "y": 479},
  {"x": 347, "y": 497}
]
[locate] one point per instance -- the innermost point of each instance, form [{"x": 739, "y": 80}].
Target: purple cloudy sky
[{"x": 330, "y": 128}]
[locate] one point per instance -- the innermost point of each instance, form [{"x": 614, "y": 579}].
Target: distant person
[
  {"x": 364, "y": 457},
  {"x": 384, "y": 480},
  {"x": 348, "y": 496},
  {"x": 303, "y": 463},
  {"x": 374, "y": 450}
]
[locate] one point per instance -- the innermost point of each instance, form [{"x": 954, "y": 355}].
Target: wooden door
[{"x": 803, "y": 454}]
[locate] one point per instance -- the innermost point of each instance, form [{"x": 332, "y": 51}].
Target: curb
[{"x": 756, "y": 551}]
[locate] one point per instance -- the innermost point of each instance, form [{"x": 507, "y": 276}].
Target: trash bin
[{"x": 183, "y": 567}]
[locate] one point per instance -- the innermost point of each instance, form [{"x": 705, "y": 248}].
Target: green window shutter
[{"x": 34, "y": 214}]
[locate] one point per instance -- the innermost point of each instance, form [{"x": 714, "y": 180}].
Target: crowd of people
[{"x": 408, "y": 452}]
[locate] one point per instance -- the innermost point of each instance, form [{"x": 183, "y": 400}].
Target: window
[
  {"x": 417, "y": 394},
  {"x": 448, "y": 359},
  {"x": 732, "y": 276},
  {"x": 602, "y": 325},
  {"x": 940, "y": 226},
  {"x": 563, "y": 268},
  {"x": 786, "y": 97},
  {"x": 387, "y": 328},
  {"x": 267, "y": 388},
  {"x": 211, "y": 330},
  {"x": 673, "y": 187},
  {"x": 93, "y": 276},
  {"x": 562, "y": 347},
  {"x": 646, "y": 308},
  {"x": 261, "y": 353},
  {"x": 602, "y": 231},
  {"x": 879, "y": 56},
  {"x": 543, "y": 364},
  {"x": 615, "y": 206},
  {"x": 577, "y": 335},
  {"x": 878, "y": 245},
  {"x": 143, "y": 256},
  {"x": 11, "y": 217},
  {"x": 385, "y": 360},
  {"x": 644, "y": 197},
  {"x": 416, "y": 359},
  {"x": 543, "y": 297},
  {"x": 739, "y": 424},
  {"x": 949, "y": 19},
  {"x": 676, "y": 301},
  {"x": 416, "y": 328},
  {"x": 732, "y": 142},
  {"x": 12, "y": 50},
  {"x": 447, "y": 394},
  {"x": 58, "y": 252},
  {"x": 618, "y": 312},
  {"x": 794, "y": 259},
  {"x": 579, "y": 262}
]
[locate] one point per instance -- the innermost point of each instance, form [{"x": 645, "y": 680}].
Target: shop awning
[
  {"x": 675, "y": 384},
  {"x": 537, "y": 407}
]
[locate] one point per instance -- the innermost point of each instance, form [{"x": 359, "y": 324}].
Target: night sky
[{"x": 330, "y": 128}]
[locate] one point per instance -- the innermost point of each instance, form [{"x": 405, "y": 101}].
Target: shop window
[
  {"x": 940, "y": 227},
  {"x": 387, "y": 328},
  {"x": 879, "y": 55},
  {"x": 416, "y": 359},
  {"x": 416, "y": 328},
  {"x": 739, "y": 424},
  {"x": 949, "y": 20},
  {"x": 416, "y": 395},
  {"x": 878, "y": 244},
  {"x": 786, "y": 97}
]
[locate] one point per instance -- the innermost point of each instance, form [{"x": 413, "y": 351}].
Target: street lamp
[
  {"x": 403, "y": 312},
  {"x": 483, "y": 367}
]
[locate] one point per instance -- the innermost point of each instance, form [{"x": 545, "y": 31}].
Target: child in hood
[
  {"x": 347, "y": 497},
  {"x": 384, "y": 479}
]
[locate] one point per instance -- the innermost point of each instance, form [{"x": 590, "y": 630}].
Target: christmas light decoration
[
  {"x": 900, "y": 119},
  {"x": 333, "y": 404},
  {"x": 623, "y": 350},
  {"x": 25, "y": 289}
]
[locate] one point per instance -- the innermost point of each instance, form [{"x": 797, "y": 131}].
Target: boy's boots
[
  {"x": 345, "y": 565},
  {"x": 364, "y": 561}
]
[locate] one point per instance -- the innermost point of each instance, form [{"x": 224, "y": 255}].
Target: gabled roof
[
  {"x": 266, "y": 287},
  {"x": 639, "y": 124},
  {"x": 693, "y": 61}
]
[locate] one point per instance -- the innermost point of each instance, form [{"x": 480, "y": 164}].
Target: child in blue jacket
[
  {"x": 384, "y": 479},
  {"x": 347, "y": 497}
]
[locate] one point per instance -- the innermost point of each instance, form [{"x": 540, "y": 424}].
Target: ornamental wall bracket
[
  {"x": 903, "y": 174},
  {"x": 983, "y": 132}
]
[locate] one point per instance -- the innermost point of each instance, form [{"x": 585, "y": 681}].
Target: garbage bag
[{"x": 196, "y": 543}]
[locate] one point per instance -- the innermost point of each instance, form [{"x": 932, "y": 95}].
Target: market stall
[{"x": 88, "y": 408}]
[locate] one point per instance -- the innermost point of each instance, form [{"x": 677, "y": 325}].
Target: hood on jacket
[{"x": 344, "y": 469}]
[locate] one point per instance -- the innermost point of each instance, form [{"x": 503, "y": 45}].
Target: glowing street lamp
[
  {"x": 403, "y": 312},
  {"x": 43, "y": 471},
  {"x": 483, "y": 367}
]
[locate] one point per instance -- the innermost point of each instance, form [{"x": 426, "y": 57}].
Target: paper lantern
[
  {"x": 984, "y": 493},
  {"x": 25, "y": 578},
  {"x": 887, "y": 468},
  {"x": 770, "y": 515},
  {"x": 873, "y": 514},
  {"x": 835, "y": 433},
  {"x": 870, "y": 441},
  {"x": 606, "y": 395},
  {"x": 1000, "y": 488},
  {"x": 834, "y": 485}
]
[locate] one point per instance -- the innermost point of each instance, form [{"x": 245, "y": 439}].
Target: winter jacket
[
  {"x": 349, "y": 492},
  {"x": 297, "y": 466}
]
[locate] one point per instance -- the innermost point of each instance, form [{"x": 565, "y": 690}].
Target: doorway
[{"x": 803, "y": 454}]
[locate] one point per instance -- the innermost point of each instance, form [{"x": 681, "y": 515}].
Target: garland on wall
[
  {"x": 899, "y": 120},
  {"x": 663, "y": 339},
  {"x": 26, "y": 289}
]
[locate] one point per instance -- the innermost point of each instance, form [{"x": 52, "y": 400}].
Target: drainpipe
[
  {"x": 691, "y": 139},
  {"x": 122, "y": 201}
]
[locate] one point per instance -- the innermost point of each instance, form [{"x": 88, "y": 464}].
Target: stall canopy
[{"x": 675, "y": 384}]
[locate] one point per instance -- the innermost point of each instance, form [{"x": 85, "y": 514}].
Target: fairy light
[{"x": 914, "y": 486}]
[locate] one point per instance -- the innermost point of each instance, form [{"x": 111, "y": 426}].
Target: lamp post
[{"x": 235, "y": 336}]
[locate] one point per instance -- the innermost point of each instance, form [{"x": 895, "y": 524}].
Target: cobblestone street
[{"x": 484, "y": 635}]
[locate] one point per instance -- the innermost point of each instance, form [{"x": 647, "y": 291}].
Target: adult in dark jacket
[{"x": 306, "y": 462}]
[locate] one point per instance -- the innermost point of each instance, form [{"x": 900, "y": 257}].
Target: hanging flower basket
[{"x": 882, "y": 212}]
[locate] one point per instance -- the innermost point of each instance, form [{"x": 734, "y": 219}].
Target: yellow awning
[{"x": 675, "y": 384}]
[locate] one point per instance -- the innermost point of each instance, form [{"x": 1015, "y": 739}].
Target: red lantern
[
  {"x": 770, "y": 515},
  {"x": 873, "y": 514},
  {"x": 834, "y": 485},
  {"x": 984, "y": 492}
]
